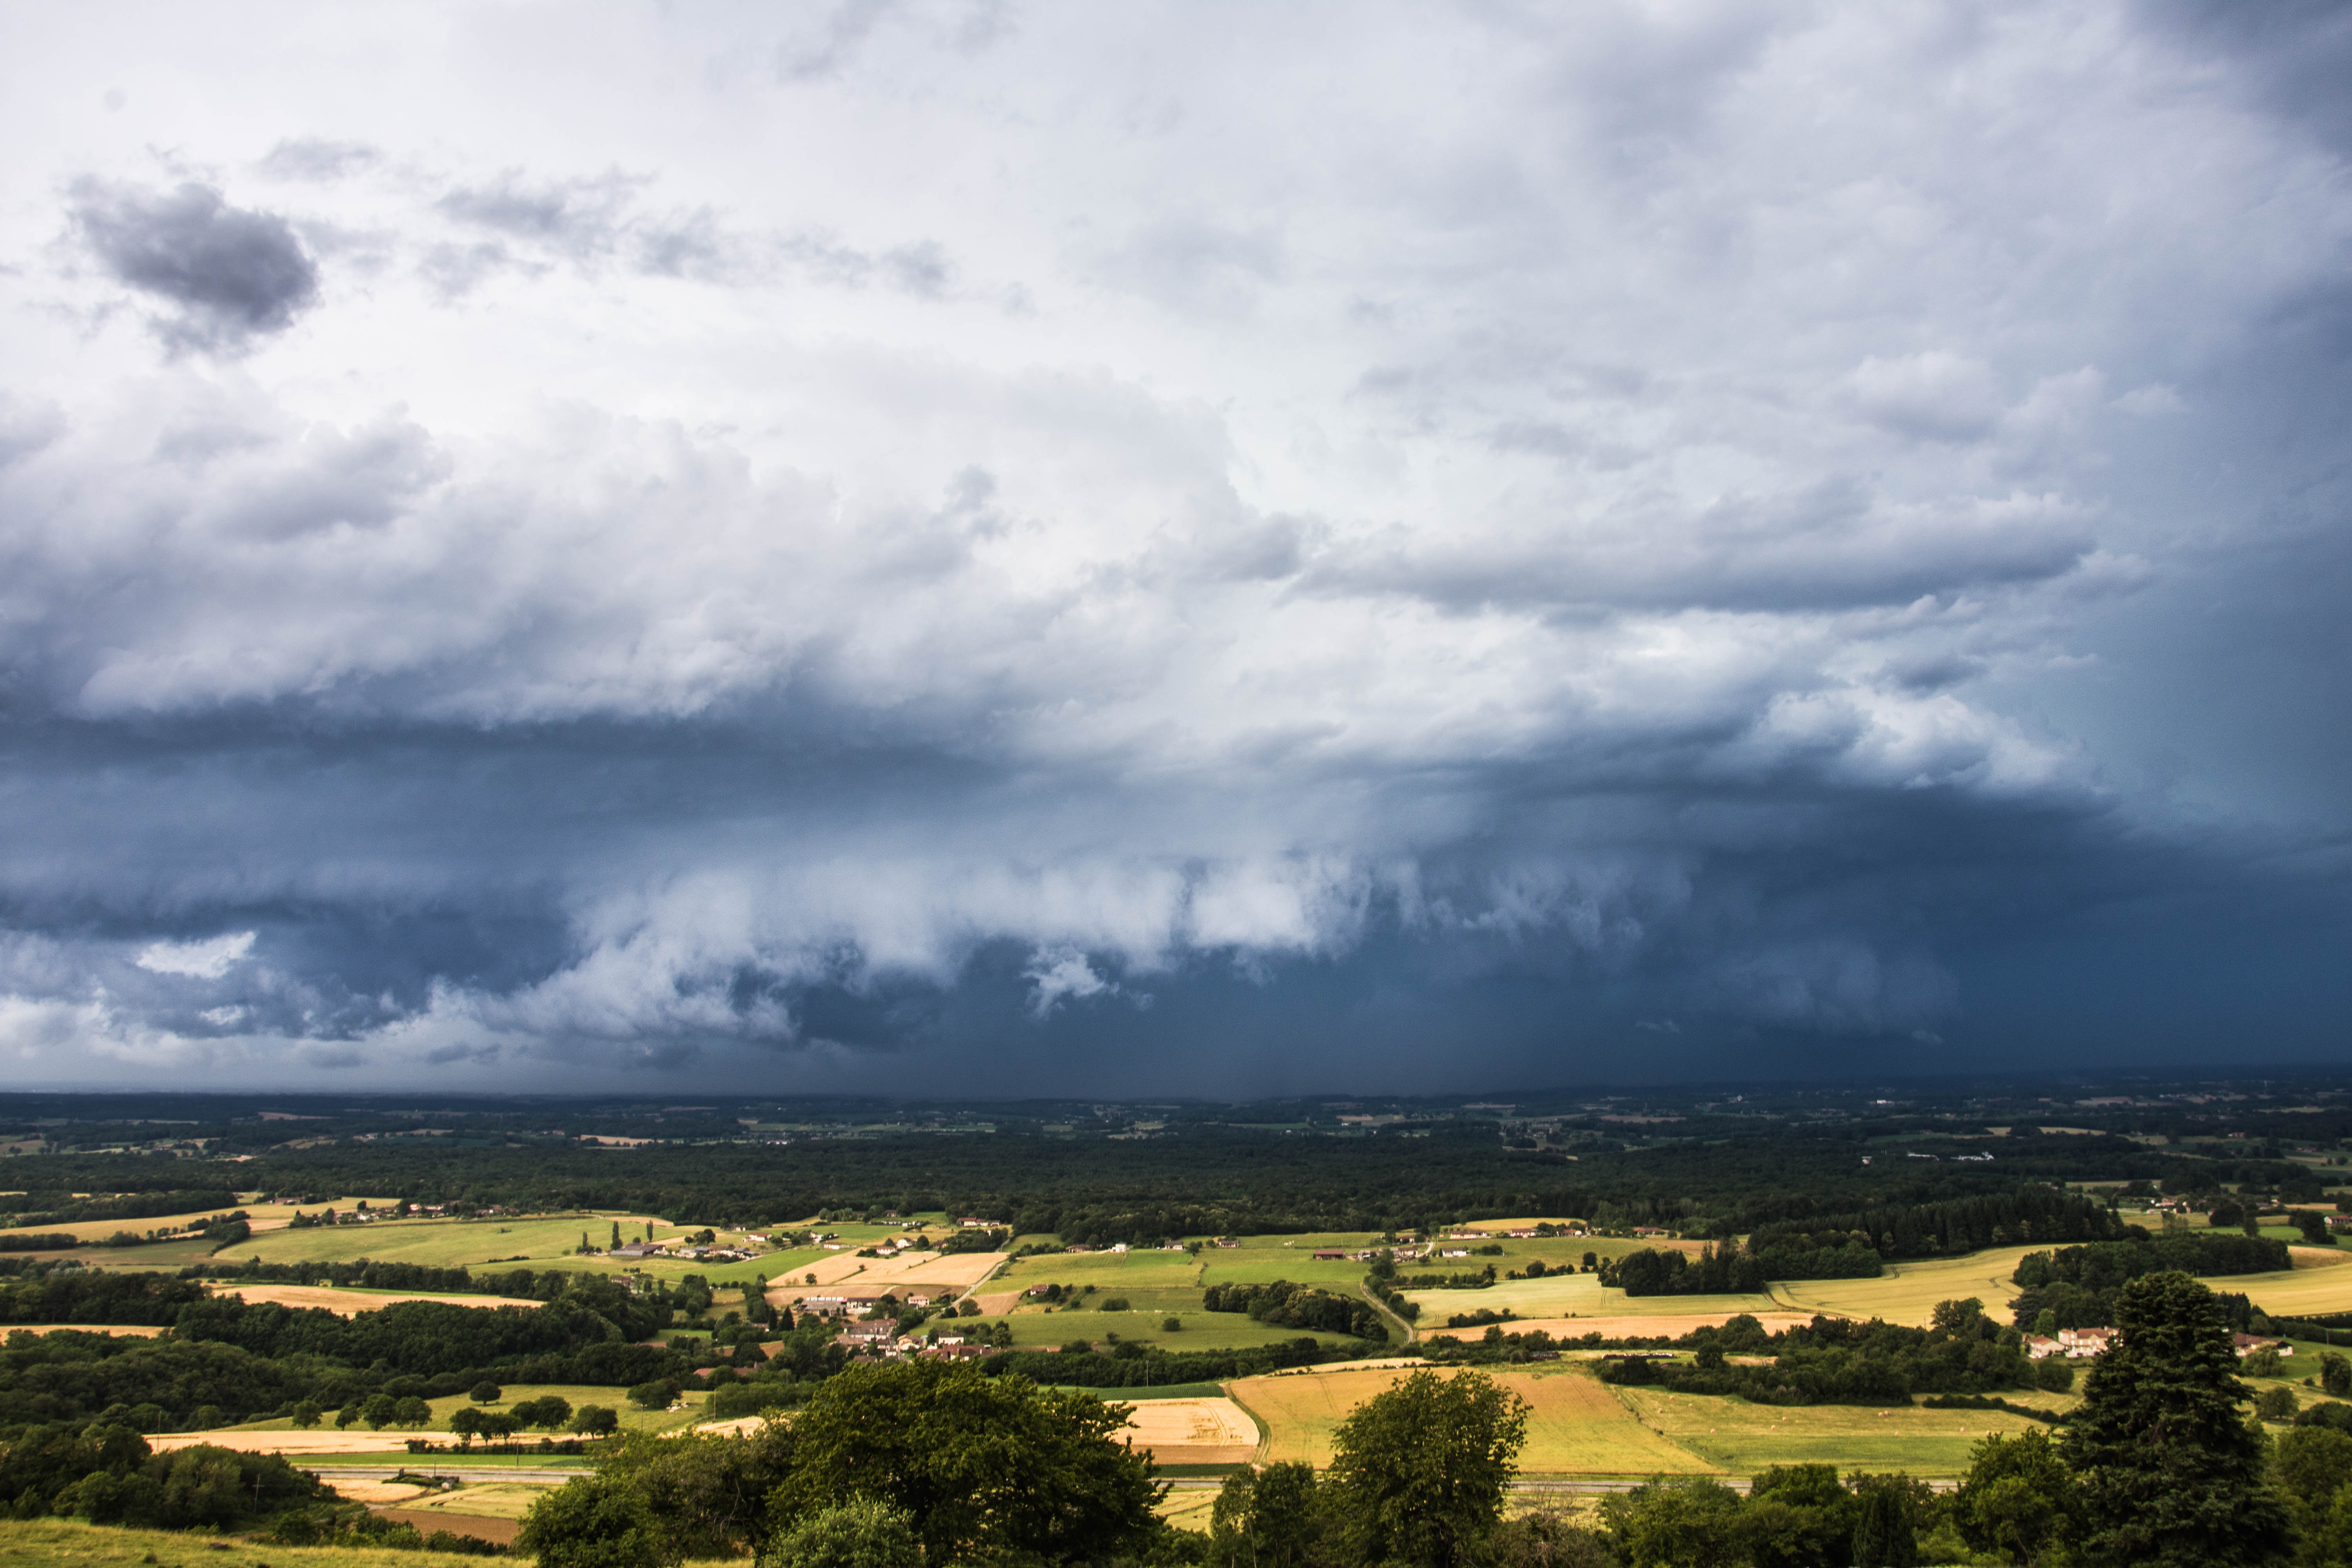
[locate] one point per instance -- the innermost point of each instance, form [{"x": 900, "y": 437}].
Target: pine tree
[{"x": 2172, "y": 1478}]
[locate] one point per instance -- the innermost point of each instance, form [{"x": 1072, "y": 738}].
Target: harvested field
[
  {"x": 129, "y": 1330},
  {"x": 1193, "y": 1431},
  {"x": 486, "y": 1500},
  {"x": 1577, "y": 1425},
  {"x": 349, "y": 1303},
  {"x": 954, "y": 1270},
  {"x": 1908, "y": 1292},
  {"x": 1627, "y": 1328},
  {"x": 481, "y": 1527}
]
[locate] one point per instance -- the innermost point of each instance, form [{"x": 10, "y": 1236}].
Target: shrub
[
  {"x": 596, "y": 1523},
  {"x": 859, "y": 1534}
]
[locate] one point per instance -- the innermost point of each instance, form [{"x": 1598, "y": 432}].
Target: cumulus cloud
[
  {"x": 231, "y": 274},
  {"x": 206, "y": 959}
]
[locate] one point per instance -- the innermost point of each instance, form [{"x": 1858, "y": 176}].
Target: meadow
[
  {"x": 1577, "y": 1296},
  {"x": 1576, "y": 1426},
  {"x": 39, "y": 1544},
  {"x": 1908, "y": 1292},
  {"x": 1743, "y": 1438},
  {"x": 1034, "y": 1329},
  {"x": 632, "y": 1419}
]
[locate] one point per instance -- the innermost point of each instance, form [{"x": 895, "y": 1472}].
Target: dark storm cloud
[
  {"x": 233, "y": 274},
  {"x": 1694, "y": 539}
]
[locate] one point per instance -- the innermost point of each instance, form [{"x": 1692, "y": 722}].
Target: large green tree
[
  {"x": 2171, "y": 1474},
  {"x": 1418, "y": 1471},
  {"x": 1268, "y": 1518},
  {"x": 981, "y": 1465}
]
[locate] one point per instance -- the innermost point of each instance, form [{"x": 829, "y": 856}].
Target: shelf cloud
[{"x": 1197, "y": 552}]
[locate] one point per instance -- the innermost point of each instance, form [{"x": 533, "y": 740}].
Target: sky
[{"x": 1225, "y": 550}]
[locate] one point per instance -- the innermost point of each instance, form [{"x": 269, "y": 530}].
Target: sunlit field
[
  {"x": 1744, "y": 1438},
  {"x": 1578, "y": 1425}
]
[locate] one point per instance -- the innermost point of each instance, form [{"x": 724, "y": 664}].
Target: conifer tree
[{"x": 2171, "y": 1474}]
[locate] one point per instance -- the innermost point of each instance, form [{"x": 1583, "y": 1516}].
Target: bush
[
  {"x": 2054, "y": 1374},
  {"x": 1111, "y": 1304},
  {"x": 596, "y": 1523},
  {"x": 859, "y": 1534}
]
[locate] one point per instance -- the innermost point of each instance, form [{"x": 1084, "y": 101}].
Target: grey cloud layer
[{"x": 1671, "y": 530}]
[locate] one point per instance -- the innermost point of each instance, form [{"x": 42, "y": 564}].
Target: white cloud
[{"x": 209, "y": 959}]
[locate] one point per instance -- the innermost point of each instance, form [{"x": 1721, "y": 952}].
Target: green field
[
  {"x": 1036, "y": 1330},
  {"x": 1120, "y": 1272},
  {"x": 1574, "y": 1295},
  {"x": 1744, "y": 1438},
  {"x": 632, "y": 1419}
]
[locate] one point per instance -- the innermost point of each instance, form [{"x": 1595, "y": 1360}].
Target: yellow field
[
  {"x": 2319, "y": 1282},
  {"x": 348, "y": 1303},
  {"x": 1908, "y": 1292},
  {"x": 1576, "y": 1426},
  {"x": 1639, "y": 1327},
  {"x": 493, "y": 1500},
  {"x": 1574, "y": 1295},
  {"x": 1744, "y": 1438}
]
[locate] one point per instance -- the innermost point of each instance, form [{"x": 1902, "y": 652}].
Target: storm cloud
[{"x": 1201, "y": 552}]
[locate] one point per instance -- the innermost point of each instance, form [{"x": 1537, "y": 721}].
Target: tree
[
  {"x": 982, "y": 1466},
  {"x": 2336, "y": 1373},
  {"x": 2170, "y": 1474},
  {"x": 468, "y": 1424},
  {"x": 412, "y": 1412},
  {"x": 596, "y": 1420},
  {"x": 1679, "y": 1524},
  {"x": 1885, "y": 1536},
  {"x": 658, "y": 1394},
  {"x": 1266, "y": 1519},
  {"x": 306, "y": 1416},
  {"x": 378, "y": 1411},
  {"x": 1418, "y": 1471},
  {"x": 2018, "y": 1497},
  {"x": 485, "y": 1393},
  {"x": 598, "y": 1521},
  {"x": 859, "y": 1534}
]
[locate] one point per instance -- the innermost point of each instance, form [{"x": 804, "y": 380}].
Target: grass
[
  {"x": 1119, "y": 1272},
  {"x": 1578, "y": 1295},
  {"x": 1908, "y": 1292},
  {"x": 1577, "y": 1425},
  {"x": 632, "y": 1419},
  {"x": 1242, "y": 1267},
  {"x": 1190, "y": 1509},
  {"x": 1202, "y": 1332},
  {"x": 446, "y": 1243},
  {"x": 24, "y": 1543},
  {"x": 1130, "y": 1395},
  {"x": 1745, "y": 1438}
]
